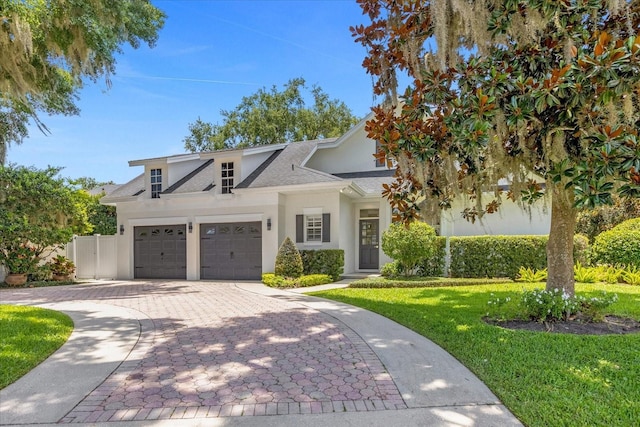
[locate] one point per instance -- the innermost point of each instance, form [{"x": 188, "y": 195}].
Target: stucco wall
[
  {"x": 355, "y": 153},
  {"x": 509, "y": 220}
]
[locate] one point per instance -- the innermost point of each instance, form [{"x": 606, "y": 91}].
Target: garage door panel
[
  {"x": 160, "y": 252},
  {"x": 231, "y": 251}
]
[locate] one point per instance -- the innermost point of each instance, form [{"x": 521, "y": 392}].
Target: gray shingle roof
[
  {"x": 287, "y": 169},
  {"x": 199, "y": 179},
  {"x": 131, "y": 188}
]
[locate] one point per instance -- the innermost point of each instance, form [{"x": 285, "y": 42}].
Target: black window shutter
[
  {"x": 326, "y": 227},
  {"x": 299, "y": 229}
]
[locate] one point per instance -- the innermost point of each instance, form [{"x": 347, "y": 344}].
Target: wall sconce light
[
  {"x": 190, "y": 227},
  {"x": 268, "y": 223},
  {"x": 121, "y": 229}
]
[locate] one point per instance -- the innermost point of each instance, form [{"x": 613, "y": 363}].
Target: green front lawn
[
  {"x": 29, "y": 336},
  {"x": 545, "y": 379}
]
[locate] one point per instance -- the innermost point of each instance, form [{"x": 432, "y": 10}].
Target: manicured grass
[
  {"x": 545, "y": 379},
  {"x": 29, "y": 336}
]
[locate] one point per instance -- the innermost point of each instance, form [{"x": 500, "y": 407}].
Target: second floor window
[
  {"x": 156, "y": 183},
  {"x": 227, "y": 177}
]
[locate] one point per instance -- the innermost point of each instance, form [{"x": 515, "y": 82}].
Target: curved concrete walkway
[{"x": 205, "y": 353}]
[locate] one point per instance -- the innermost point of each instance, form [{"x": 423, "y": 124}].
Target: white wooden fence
[{"x": 95, "y": 256}]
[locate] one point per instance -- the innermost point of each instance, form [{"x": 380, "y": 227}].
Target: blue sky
[{"x": 209, "y": 55}]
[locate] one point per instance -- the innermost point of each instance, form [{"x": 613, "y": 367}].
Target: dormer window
[
  {"x": 227, "y": 177},
  {"x": 156, "y": 183}
]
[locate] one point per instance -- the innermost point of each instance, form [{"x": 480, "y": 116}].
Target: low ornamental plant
[
  {"x": 20, "y": 258},
  {"x": 543, "y": 305}
]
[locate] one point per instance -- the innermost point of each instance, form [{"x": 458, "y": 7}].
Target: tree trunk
[{"x": 560, "y": 244}]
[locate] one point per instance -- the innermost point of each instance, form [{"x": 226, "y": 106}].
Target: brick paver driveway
[{"x": 213, "y": 350}]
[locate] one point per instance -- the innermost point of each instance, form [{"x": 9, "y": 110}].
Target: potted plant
[
  {"x": 62, "y": 268},
  {"x": 19, "y": 260}
]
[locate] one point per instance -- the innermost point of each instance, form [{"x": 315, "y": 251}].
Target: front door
[{"x": 369, "y": 244}]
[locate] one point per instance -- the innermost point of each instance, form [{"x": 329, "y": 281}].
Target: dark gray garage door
[
  {"x": 160, "y": 252},
  {"x": 231, "y": 251}
]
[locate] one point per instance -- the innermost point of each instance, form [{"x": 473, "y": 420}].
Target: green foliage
[
  {"x": 51, "y": 48},
  {"x": 29, "y": 336},
  {"x": 609, "y": 273},
  {"x": 40, "y": 273},
  {"x": 19, "y": 258},
  {"x": 409, "y": 244},
  {"x": 631, "y": 275},
  {"x": 595, "y": 221},
  {"x": 273, "y": 117},
  {"x": 391, "y": 269},
  {"x": 61, "y": 266},
  {"x": 288, "y": 260},
  {"x": 434, "y": 264},
  {"x": 528, "y": 274},
  {"x": 583, "y": 274},
  {"x": 496, "y": 256},
  {"x": 36, "y": 208},
  {"x": 323, "y": 261},
  {"x": 552, "y": 305},
  {"x": 275, "y": 281},
  {"x": 620, "y": 245},
  {"x": 502, "y": 256},
  {"x": 421, "y": 282}
]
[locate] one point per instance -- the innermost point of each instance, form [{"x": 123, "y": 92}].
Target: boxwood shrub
[
  {"x": 620, "y": 245},
  {"x": 323, "y": 261}
]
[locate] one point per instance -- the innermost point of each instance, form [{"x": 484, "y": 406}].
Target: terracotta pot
[
  {"x": 61, "y": 277},
  {"x": 16, "y": 279}
]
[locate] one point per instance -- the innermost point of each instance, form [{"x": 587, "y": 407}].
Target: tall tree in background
[
  {"x": 541, "y": 93},
  {"x": 101, "y": 219},
  {"x": 273, "y": 117},
  {"x": 49, "y": 47}
]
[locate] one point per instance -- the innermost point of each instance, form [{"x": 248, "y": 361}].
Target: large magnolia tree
[
  {"x": 49, "y": 48},
  {"x": 542, "y": 94}
]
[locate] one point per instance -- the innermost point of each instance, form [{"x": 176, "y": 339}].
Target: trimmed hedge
[
  {"x": 377, "y": 283},
  {"x": 274, "y": 281},
  {"x": 502, "y": 256},
  {"x": 434, "y": 265},
  {"x": 620, "y": 245},
  {"x": 323, "y": 261}
]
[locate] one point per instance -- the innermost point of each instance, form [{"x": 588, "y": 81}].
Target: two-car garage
[{"x": 228, "y": 251}]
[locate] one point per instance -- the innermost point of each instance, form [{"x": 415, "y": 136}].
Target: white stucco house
[{"x": 222, "y": 215}]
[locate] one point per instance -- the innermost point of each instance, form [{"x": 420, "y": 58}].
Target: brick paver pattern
[{"x": 213, "y": 350}]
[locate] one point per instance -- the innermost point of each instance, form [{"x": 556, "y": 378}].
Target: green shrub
[
  {"x": 496, "y": 256},
  {"x": 595, "y": 221},
  {"x": 433, "y": 266},
  {"x": 391, "y": 269},
  {"x": 422, "y": 282},
  {"x": 288, "y": 260},
  {"x": 502, "y": 256},
  {"x": 620, "y": 245},
  {"x": 274, "y": 281},
  {"x": 409, "y": 244},
  {"x": 313, "y": 280},
  {"x": 323, "y": 261}
]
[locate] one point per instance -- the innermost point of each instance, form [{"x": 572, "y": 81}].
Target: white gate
[{"x": 94, "y": 256}]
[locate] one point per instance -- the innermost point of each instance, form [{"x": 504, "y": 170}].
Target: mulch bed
[{"x": 610, "y": 325}]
